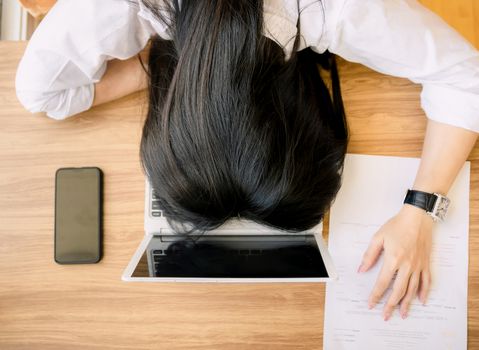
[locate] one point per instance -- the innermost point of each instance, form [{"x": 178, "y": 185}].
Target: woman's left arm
[
  {"x": 407, "y": 237},
  {"x": 402, "y": 38}
]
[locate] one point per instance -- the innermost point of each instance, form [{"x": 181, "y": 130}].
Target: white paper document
[{"x": 373, "y": 190}]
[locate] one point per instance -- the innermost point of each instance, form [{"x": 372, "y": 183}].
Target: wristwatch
[{"x": 434, "y": 204}]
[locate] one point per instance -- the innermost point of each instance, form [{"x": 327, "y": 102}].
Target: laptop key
[
  {"x": 155, "y": 205},
  {"x": 156, "y": 213},
  {"x": 158, "y": 258}
]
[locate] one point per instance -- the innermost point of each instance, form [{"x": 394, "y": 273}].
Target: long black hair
[{"x": 234, "y": 129}]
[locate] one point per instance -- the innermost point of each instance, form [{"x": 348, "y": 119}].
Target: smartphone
[{"x": 78, "y": 215}]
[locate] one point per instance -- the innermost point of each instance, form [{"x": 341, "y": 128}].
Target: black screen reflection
[{"x": 232, "y": 257}]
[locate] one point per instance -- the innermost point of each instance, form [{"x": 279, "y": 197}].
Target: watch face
[{"x": 441, "y": 207}]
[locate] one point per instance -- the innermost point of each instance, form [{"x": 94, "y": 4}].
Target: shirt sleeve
[
  {"x": 402, "y": 38},
  {"x": 67, "y": 54}
]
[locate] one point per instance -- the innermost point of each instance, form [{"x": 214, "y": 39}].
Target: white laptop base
[{"x": 159, "y": 236}]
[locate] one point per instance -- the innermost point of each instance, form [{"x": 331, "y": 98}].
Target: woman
[{"x": 240, "y": 122}]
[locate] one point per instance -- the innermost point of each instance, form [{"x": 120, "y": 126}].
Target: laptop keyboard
[{"x": 155, "y": 205}]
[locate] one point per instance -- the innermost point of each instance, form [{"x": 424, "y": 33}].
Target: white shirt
[{"x": 68, "y": 52}]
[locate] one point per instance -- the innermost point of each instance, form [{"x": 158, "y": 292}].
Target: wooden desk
[{"x": 48, "y": 306}]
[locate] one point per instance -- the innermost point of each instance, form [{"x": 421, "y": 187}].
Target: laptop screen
[{"x": 232, "y": 256}]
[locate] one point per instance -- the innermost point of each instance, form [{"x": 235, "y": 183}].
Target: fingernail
[
  {"x": 386, "y": 316},
  {"x": 404, "y": 315},
  {"x": 371, "y": 305},
  {"x": 361, "y": 268}
]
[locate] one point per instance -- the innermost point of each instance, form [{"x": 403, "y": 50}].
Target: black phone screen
[{"x": 78, "y": 211}]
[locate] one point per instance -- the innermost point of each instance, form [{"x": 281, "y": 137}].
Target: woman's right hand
[{"x": 122, "y": 77}]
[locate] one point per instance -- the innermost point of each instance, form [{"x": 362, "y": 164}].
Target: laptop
[{"x": 239, "y": 251}]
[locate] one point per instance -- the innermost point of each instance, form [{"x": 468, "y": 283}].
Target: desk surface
[{"x": 48, "y": 306}]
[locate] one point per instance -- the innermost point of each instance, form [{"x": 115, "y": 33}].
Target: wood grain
[{"x": 48, "y": 306}]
